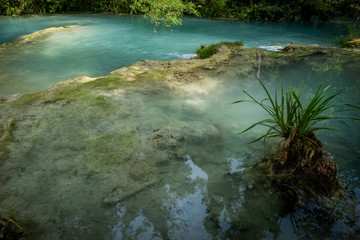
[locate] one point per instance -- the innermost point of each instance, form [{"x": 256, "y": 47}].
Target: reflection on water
[
  {"x": 148, "y": 165},
  {"x": 196, "y": 172},
  {"x": 237, "y": 164}
]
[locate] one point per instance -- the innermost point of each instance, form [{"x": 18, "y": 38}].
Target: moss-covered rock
[
  {"x": 355, "y": 43},
  {"x": 207, "y": 51},
  {"x": 111, "y": 149},
  {"x": 6, "y": 128},
  {"x": 35, "y": 36}
]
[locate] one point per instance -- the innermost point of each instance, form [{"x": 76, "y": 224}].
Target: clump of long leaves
[{"x": 288, "y": 114}]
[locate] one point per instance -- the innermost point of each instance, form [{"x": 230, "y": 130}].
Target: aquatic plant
[
  {"x": 288, "y": 114},
  {"x": 300, "y": 168}
]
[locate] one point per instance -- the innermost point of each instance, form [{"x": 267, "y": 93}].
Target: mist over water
[{"x": 154, "y": 162}]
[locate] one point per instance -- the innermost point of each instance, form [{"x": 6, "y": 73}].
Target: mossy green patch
[
  {"x": 84, "y": 92},
  {"x": 355, "y": 43},
  {"x": 111, "y": 148},
  {"x": 104, "y": 82},
  {"x": 101, "y": 101},
  {"x": 67, "y": 93},
  {"x": 151, "y": 75},
  {"x": 6, "y": 128},
  {"x": 209, "y": 50},
  {"x": 233, "y": 44},
  {"x": 27, "y": 99}
]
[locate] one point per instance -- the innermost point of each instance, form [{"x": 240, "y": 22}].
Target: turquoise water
[
  {"x": 104, "y": 43},
  {"x": 154, "y": 162}
]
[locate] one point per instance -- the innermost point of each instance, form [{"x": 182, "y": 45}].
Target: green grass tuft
[
  {"x": 288, "y": 113},
  {"x": 209, "y": 50}
]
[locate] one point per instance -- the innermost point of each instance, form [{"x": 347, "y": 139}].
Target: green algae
[
  {"x": 111, "y": 149},
  {"x": 106, "y": 83},
  {"x": 68, "y": 93},
  {"x": 151, "y": 75},
  {"x": 114, "y": 139},
  {"x": 88, "y": 91},
  {"x": 6, "y": 129},
  {"x": 27, "y": 99},
  {"x": 101, "y": 101},
  {"x": 35, "y": 37}
]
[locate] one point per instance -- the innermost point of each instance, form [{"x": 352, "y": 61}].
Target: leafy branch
[{"x": 164, "y": 12}]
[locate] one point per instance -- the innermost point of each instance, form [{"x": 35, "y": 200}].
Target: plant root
[{"x": 301, "y": 170}]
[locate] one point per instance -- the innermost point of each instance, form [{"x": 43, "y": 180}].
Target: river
[{"x": 104, "y": 43}]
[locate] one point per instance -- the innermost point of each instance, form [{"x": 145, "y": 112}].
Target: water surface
[
  {"x": 151, "y": 162},
  {"x": 105, "y": 43}
]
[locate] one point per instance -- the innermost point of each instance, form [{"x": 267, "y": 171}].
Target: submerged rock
[
  {"x": 35, "y": 36},
  {"x": 6, "y": 128},
  {"x": 10, "y": 230},
  {"x": 110, "y": 138}
]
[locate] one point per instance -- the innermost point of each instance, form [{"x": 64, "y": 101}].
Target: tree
[{"x": 164, "y": 12}]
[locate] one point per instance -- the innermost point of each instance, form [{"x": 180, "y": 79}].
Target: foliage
[
  {"x": 164, "y": 12},
  {"x": 18, "y": 7},
  {"x": 353, "y": 31},
  {"x": 279, "y": 11},
  {"x": 209, "y": 50},
  {"x": 116, "y": 6},
  {"x": 288, "y": 114},
  {"x": 169, "y": 12}
]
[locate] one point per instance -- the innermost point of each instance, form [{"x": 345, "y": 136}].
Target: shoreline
[
  {"x": 41, "y": 34},
  {"x": 130, "y": 72},
  {"x": 178, "y": 69},
  {"x": 314, "y": 19}
]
